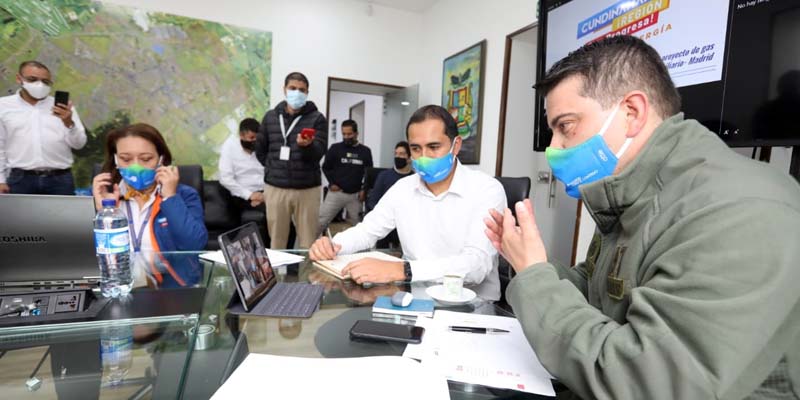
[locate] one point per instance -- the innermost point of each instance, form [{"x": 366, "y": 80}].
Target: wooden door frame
[
  {"x": 334, "y": 78},
  {"x": 498, "y": 167}
]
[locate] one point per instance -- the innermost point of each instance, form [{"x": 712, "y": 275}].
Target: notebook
[
  {"x": 258, "y": 291},
  {"x": 335, "y": 266},
  {"x": 383, "y": 305}
]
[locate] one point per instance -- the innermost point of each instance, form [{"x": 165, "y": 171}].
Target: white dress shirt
[
  {"x": 240, "y": 172},
  {"x": 32, "y": 137},
  {"x": 441, "y": 234}
]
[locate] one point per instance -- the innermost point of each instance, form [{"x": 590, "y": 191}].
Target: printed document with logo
[
  {"x": 501, "y": 360},
  {"x": 335, "y": 266}
]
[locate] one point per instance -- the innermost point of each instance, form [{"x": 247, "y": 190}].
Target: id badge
[{"x": 285, "y": 153}]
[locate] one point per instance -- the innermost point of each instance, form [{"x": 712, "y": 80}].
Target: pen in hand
[{"x": 472, "y": 329}]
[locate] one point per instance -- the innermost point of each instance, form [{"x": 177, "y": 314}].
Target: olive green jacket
[{"x": 690, "y": 289}]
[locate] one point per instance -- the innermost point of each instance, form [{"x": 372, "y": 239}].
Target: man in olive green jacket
[{"x": 690, "y": 289}]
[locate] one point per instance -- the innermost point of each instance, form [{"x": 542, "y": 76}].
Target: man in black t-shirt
[{"x": 344, "y": 166}]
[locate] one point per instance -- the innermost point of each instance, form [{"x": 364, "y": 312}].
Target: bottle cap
[{"x": 109, "y": 203}]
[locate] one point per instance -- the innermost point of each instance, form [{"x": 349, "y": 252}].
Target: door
[
  {"x": 358, "y": 113},
  {"x": 555, "y": 211}
]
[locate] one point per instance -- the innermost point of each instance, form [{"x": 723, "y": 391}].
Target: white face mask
[{"x": 38, "y": 90}]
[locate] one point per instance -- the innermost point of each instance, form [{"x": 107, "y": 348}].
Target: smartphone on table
[{"x": 385, "y": 331}]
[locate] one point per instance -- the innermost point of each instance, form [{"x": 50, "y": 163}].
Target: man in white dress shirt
[
  {"x": 239, "y": 169},
  {"x": 37, "y": 136},
  {"x": 438, "y": 214}
]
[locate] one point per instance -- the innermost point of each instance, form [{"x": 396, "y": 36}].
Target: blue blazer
[{"x": 179, "y": 225}]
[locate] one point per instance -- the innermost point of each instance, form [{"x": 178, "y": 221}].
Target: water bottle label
[{"x": 112, "y": 241}]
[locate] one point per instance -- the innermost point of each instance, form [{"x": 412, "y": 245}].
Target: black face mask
[
  {"x": 349, "y": 142},
  {"x": 248, "y": 145},
  {"x": 400, "y": 162}
]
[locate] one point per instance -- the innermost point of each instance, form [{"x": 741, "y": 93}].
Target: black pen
[{"x": 473, "y": 329}]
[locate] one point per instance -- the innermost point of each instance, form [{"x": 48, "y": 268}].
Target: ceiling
[{"x": 416, "y": 6}]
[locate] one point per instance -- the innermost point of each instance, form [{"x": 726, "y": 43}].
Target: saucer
[{"x": 438, "y": 293}]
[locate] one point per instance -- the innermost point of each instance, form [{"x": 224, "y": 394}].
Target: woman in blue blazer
[{"x": 163, "y": 215}]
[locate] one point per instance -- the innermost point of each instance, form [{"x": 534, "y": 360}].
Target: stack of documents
[
  {"x": 502, "y": 360},
  {"x": 276, "y": 258},
  {"x": 277, "y": 377}
]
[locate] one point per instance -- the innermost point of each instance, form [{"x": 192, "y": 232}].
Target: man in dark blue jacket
[
  {"x": 291, "y": 142},
  {"x": 344, "y": 167}
]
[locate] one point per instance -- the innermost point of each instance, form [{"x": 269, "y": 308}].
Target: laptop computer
[
  {"x": 256, "y": 285},
  {"x": 47, "y": 241}
]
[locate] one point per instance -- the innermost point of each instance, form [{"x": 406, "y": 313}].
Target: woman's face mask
[{"x": 137, "y": 176}]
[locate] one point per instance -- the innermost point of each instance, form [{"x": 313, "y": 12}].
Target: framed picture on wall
[{"x": 462, "y": 96}]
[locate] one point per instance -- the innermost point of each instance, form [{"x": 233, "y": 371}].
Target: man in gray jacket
[{"x": 690, "y": 288}]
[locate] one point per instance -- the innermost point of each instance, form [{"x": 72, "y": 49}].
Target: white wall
[
  {"x": 370, "y": 133},
  {"x": 320, "y": 38},
  {"x": 453, "y": 25}
]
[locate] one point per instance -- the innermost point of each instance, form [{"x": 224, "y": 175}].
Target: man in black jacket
[
  {"x": 344, "y": 167},
  {"x": 292, "y": 140}
]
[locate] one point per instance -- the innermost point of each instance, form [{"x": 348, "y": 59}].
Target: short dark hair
[
  {"x": 404, "y": 145},
  {"x": 144, "y": 131},
  {"x": 613, "y": 66},
  {"x": 295, "y": 76},
  {"x": 249, "y": 124},
  {"x": 351, "y": 124},
  {"x": 32, "y": 63},
  {"x": 433, "y": 111}
]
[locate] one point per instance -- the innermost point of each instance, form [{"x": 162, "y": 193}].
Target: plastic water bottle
[
  {"x": 116, "y": 352},
  {"x": 112, "y": 244}
]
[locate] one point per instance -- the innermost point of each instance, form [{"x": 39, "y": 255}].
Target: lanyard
[
  {"x": 137, "y": 240},
  {"x": 283, "y": 127}
]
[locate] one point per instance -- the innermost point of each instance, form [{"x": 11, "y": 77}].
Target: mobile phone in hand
[
  {"x": 307, "y": 133},
  {"x": 62, "y": 97}
]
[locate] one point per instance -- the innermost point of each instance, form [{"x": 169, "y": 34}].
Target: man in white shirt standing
[
  {"x": 37, "y": 136},
  {"x": 438, "y": 214},
  {"x": 239, "y": 169}
]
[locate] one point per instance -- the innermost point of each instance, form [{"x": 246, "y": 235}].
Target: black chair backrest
[
  {"x": 190, "y": 175},
  {"x": 517, "y": 189},
  {"x": 219, "y": 210},
  {"x": 369, "y": 177}
]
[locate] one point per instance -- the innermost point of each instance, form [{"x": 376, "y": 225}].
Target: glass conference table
[{"x": 147, "y": 346}]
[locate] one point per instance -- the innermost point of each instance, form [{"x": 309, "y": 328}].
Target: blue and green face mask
[
  {"x": 137, "y": 176},
  {"x": 587, "y": 162},
  {"x": 433, "y": 170}
]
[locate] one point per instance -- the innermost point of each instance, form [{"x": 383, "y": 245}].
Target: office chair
[
  {"x": 517, "y": 189},
  {"x": 392, "y": 240}
]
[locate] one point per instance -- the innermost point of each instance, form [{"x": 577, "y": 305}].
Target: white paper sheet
[
  {"x": 503, "y": 360},
  {"x": 276, "y": 258},
  {"x": 264, "y": 376}
]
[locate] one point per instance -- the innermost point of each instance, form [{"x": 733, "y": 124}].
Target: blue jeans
[{"x": 22, "y": 183}]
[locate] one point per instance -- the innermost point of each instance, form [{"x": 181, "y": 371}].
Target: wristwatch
[{"x": 407, "y": 270}]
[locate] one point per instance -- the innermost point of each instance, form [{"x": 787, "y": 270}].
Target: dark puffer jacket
[{"x": 301, "y": 171}]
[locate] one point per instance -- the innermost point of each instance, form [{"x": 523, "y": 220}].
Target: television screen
[{"x": 735, "y": 62}]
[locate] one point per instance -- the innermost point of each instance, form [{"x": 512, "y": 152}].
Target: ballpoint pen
[{"x": 473, "y": 329}]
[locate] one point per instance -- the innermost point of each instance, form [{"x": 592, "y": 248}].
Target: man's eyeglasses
[{"x": 32, "y": 79}]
